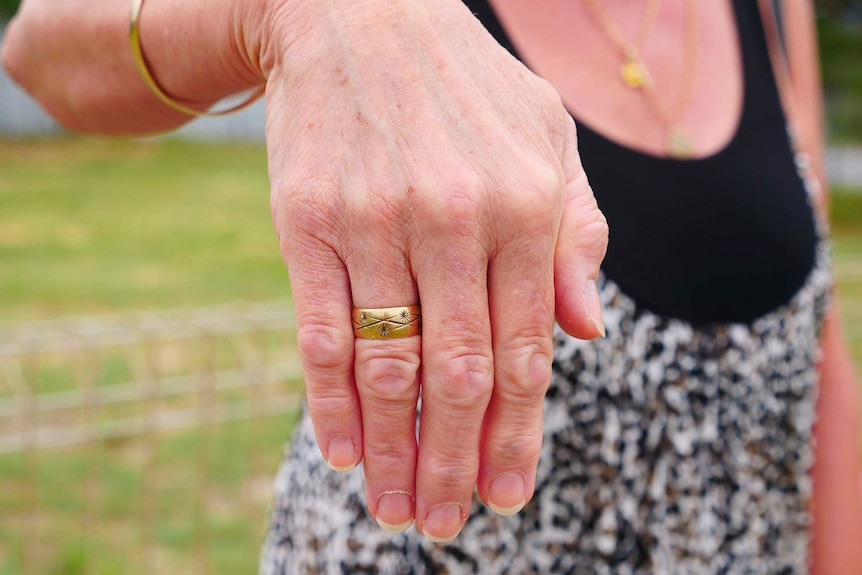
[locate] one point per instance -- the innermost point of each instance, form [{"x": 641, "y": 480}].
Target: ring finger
[{"x": 387, "y": 379}]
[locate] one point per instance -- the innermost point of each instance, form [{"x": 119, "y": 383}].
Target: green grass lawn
[
  {"x": 88, "y": 226},
  {"x": 841, "y": 54},
  {"x": 141, "y": 506},
  {"x": 93, "y": 226},
  {"x": 847, "y": 231}
]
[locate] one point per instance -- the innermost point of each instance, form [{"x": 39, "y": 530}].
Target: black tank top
[{"x": 726, "y": 238}]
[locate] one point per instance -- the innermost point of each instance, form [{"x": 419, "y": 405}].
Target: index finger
[{"x": 321, "y": 295}]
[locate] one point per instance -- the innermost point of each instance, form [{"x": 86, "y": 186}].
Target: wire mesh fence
[
  {"x": 143, "y": 443},
  {"x": 146, "y": 443}
]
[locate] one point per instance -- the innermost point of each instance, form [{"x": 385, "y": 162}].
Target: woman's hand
[{"x": 413, "y": 160}]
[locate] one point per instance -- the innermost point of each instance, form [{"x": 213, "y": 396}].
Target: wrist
[
  {"x": 306, "y": 33},
  {"x": 253, "y": 23},
  {"x": 199, "y": 54},
  {"x": 262, "y": 29}
]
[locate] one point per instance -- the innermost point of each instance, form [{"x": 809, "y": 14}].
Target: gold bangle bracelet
[{"x": 141, "y": 64}]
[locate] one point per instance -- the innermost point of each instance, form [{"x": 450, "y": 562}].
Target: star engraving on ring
[
  {"x": 384, "y": 329},
  {"x": 405, "y": 315},
  {"x": 363, "y": 317}
]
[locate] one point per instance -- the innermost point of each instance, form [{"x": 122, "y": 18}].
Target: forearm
[
  {"x": 837, "y": 499},
  {"x": 74, "y": 58}
]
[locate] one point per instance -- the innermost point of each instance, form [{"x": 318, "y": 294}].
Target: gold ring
[{"x": 387, "y": 322}]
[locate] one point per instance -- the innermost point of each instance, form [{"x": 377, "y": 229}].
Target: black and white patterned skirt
[{"x": 668, "y": 449}]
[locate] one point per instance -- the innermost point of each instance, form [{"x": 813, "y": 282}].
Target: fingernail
[
  {"x": 508, "y": 494},
  {"x": 395, "y": 511},
  {"x": 341, "y": 453},
  {"x": 593, "y": 306},
  {"x": 443, "y": 523}
]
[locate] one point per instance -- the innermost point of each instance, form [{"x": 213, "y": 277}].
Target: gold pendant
[
  {"x": 678, "y": 144},
  {"x": 634, "y": 73}
]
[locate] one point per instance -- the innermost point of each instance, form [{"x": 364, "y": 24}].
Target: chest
[
  {"x": 726, "y": 236},
  {"x": 688, "y": 46}
]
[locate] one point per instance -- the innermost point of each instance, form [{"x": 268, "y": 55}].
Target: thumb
[{"x": 581, "y": 245}]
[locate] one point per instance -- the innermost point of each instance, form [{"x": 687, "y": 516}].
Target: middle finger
[{"x": 457, "y": 379}]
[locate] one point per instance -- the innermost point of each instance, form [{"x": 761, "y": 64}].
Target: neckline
[{"x": 506, "y": 40}]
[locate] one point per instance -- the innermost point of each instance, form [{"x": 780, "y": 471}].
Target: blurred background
[{"x": 148, "y": 371}]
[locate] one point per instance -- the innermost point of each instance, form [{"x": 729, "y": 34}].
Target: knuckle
[
  {"x": 467, "y": 381},
  {"x": 330, "y": 402},
  {"x": 583, "y": 201},
  {"x": 451, "y": 475},
  {"x": 515, "y": 446},
  {"x": 525, "y": 372},
  {"x": 590, "y": 225},
  {"x": 382, "y": 210},
  {"x": 537, "y": 195},
  {"x": 323, "y": 347},
  {"x": 593, "y": 236},
  {"x": 389, "y": 378},
  {"x": 390, "y": 454},
  {"x": 551, "y": 104},
  {"x": 547, "y": 179},
  {"x": 306, "y": 202},
  {"x": 462, "y": 207},
  {"x": 547, "y": 93}
]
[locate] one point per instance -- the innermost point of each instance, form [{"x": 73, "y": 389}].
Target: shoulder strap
[
  {"x": 776, "y": 41},
  {"x": 777, "y": 10}
]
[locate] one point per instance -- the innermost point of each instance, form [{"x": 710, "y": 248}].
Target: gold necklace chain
[
  {"x": 635, "y": 73},
  {"x": 632, "y": 71}
]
